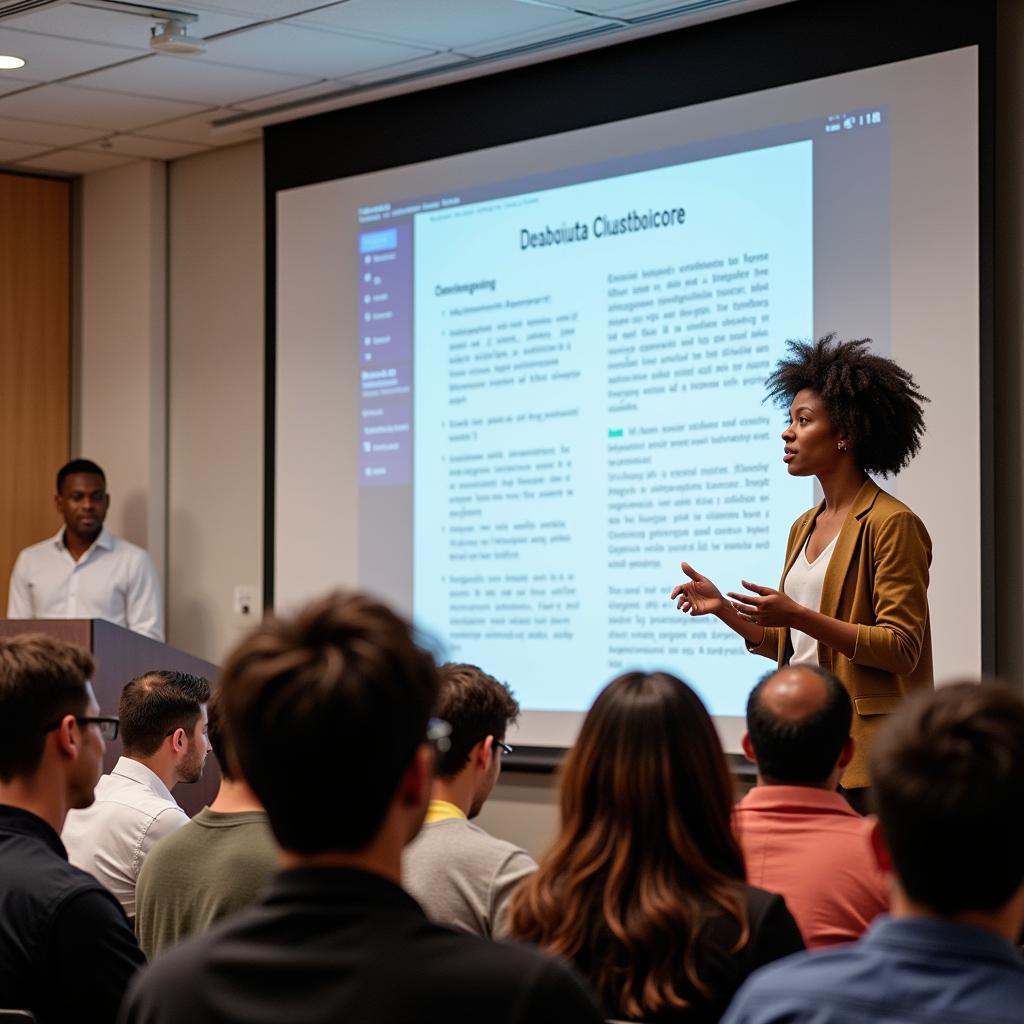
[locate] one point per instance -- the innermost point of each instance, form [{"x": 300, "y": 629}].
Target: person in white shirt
[
  {"x": 84, "y": 572},
  {"x": 462, "y": 876},
  {"x": 163, "y": 722}
]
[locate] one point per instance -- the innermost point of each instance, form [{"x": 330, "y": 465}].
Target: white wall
[
  {"x": 119, "y": 411},
  {"x": 215, "y": 502}
]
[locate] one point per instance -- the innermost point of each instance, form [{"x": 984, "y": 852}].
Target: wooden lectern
[{"x": 121, "y": 655}]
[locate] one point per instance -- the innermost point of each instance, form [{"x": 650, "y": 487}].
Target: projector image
[{"x": 172, "y": 37}]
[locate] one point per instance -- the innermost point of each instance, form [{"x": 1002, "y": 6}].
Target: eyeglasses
[
  {"x": 108, "y": 724},
  {"x": 439, "y": 735},
  {"x": 501, "y": 747}
]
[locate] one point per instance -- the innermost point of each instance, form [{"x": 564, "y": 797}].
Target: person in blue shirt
[{"x": 948, "y": 772}]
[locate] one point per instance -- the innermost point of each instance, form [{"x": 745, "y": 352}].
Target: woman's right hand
[{"x": 699, "y": 596}]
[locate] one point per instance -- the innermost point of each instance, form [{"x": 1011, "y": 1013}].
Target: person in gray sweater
[{"x": 462, "y": 876}]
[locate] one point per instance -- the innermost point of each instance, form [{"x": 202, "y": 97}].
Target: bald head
[
  {"x": 798, "y": 723},
  {"x": 794, "y": 694}
]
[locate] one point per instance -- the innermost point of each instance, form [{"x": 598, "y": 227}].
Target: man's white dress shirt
[
  {"x": 113, "y": 580},
  {"x": 133, "y": 811}
]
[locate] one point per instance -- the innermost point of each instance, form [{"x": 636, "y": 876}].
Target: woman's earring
[{"x": 841, "y": 446}]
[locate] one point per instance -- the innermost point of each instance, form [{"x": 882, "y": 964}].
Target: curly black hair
[{"x": 872, "y": 400}]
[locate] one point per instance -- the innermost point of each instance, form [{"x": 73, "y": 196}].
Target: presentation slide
[
  {"x": 516, "y": 387},
  {"x": 587, "y": 395}
]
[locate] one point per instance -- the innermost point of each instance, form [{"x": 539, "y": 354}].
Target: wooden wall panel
[{"x": 35, "y": 358}]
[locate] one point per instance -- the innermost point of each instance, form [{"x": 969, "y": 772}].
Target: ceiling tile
[
  {"x": 10, "y": 151},
  {"x": 254, "y": 9},
  {"x": 139, "y": 148},
  {"x": 639, "y": 8},
  {"x": 102, "y": 26},
  {"x": 12, "y": 84},
  {"x": 443, "y": 24},
  {"x": 196, "y": 128},
  {"x": 434, "y": 61},
  {"x": 568, "y": 27},
  {"x": 74, "y": 161},
  {"x": 318, "y": 53},
  {"x": 48, "y": 135},
  {"x": 47, "y": 57},
  {"x": 65, "y": 104},
  {"x": 193, "y": 79},
  {"x": 308, "y": 92}
]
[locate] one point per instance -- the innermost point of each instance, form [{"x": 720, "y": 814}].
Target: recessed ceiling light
[{"x": 10, "y": 63}]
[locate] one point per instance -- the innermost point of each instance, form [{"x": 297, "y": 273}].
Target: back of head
[
  {"x": 41, "y": 680},
  {"x": 948, "y": 778},
  {"x": 798, "y": 720},
  {"x": 155, "y": 704},
  {"x": 476, "y": 706},
  {"x": 646, "y": 854},
  {"x": 220, "y": 738},
  {"x": 330, "y": 704}
]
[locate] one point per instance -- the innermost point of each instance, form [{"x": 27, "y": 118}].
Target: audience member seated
[
  {"x": 459, "y": 874},
  {"x": 948, "y": 777},
  {"x": 329, "y": 713},
  {"x": 213, "y": 866},
  {"x": 163, "y": 725},
  {"x": 800, "y": 838},
  {"x": 66, "y": 949},
  {"x": 644, "y": 888}
]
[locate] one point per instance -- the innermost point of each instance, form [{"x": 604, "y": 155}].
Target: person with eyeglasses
[
  {"x": 329, "y": 712},
  {"x": 67, "y": 951},
  {"x": 460, "y": 874}
]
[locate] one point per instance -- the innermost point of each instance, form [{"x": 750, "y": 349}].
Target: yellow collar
[{"x": 442, "y": 810}]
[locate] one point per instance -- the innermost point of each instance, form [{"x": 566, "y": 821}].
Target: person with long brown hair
[{"x": 644, "y": 888}]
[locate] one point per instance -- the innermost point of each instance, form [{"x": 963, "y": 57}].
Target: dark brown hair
[
  {"x": 329, "y": 704},
  {"x": 646, "y": 855},
  {"x": 220, "y": 738},
  {"x": 476, "y": 706},
  {"x": 41, "y": 681},
  {"x": 948, "y": 778},
  {"x": 869, "y": 398},
  {"x": 156, "y": 703}
]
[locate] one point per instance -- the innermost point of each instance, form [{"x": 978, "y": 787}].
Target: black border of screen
[{"x": 775, "y": 46}]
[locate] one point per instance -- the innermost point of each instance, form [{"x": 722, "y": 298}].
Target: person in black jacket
[
  {"x": 644, "y": 888},
  {"x": 328, "y": 713},
  {"x": 67, "y": 952}
]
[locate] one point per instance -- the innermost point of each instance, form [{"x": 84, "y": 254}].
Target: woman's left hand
[{"x": 766, "y": 607}]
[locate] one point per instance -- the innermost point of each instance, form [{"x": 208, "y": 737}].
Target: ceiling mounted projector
[{"x": 172, "y": 36}]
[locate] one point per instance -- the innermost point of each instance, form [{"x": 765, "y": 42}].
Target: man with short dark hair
[
  {"x": 948, "y": 777},
  {"x": 85, "y": 572},
  {"x": 462, "y": 876},
  {"x": 337, "y": 700},
  {"x": 212, "y": 867},
  {"x": 163, "y": 723},
  {"x": 800, "y": 838},
  {"x": 66, "y": 950}
]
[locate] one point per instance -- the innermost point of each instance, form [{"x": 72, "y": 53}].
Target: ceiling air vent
[{"x": 9, "y": 8}]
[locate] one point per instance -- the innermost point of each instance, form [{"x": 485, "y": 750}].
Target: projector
[{"x": 172, "y": 37}]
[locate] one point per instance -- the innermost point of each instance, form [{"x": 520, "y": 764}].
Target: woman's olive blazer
[{"x": 877, "y": 578}]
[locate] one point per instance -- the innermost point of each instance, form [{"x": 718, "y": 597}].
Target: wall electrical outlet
[{"x": 245, "y": 603}]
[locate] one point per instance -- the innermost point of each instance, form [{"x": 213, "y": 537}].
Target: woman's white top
[{"x": 803, "y": 584}]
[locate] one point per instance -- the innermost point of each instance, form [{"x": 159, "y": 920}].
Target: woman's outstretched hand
[
  {"x": 699, "y": 596},
  {"x": 765, "y": 607}
]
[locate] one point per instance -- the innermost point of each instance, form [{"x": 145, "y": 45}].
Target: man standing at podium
[{"x": 85, "y": 572}]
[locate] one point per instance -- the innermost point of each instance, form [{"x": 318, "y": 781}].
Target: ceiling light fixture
[
  {"x": 172, "y": 36},
  {"x": 10, "y": 63}
]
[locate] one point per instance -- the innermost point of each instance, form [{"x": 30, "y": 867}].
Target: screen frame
[{"x": 782, "y": 45}]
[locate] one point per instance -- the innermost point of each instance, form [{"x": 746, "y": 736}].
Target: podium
[{"x": 121, "y": 655}]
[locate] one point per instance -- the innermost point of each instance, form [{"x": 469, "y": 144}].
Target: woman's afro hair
[{"x": 870, "y": 399}]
